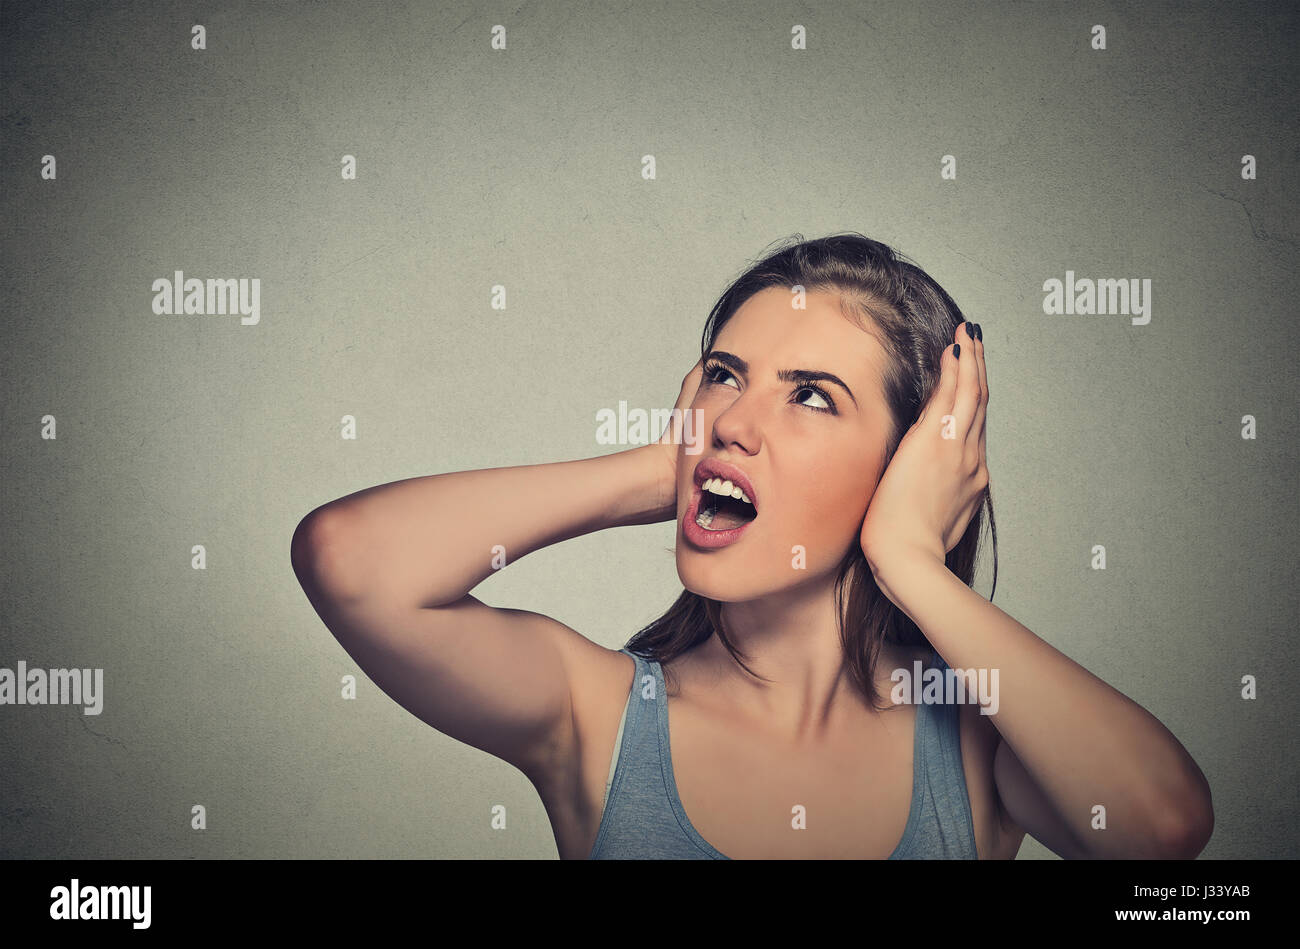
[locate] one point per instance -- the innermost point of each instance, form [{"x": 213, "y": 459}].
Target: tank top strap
[
  {"x": 642, "y": 818},
  {"x": 622, "y": 727},
  {"x": 948, "y": 830}
]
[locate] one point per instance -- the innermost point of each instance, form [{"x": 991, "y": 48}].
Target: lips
[
  {"x": 714, "y": 468},
  {"x": 709, "y": 539}
]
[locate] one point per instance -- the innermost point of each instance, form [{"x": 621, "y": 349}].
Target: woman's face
[{"x": 813, "y": 460}]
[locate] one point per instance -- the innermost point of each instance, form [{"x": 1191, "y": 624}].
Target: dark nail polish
[
  {"x": 970, "y": 328},
  {"x": 979, "y": 333},
  {"x": 956, "y": 350}
]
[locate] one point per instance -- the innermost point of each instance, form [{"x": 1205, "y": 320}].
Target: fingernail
[
  {"x": 970, "y": 329},
  {"x": 979, "y": 333},
  {"x": 956, "y": 350}
]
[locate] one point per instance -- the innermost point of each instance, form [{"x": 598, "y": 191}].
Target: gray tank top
[{"x": 644, "y": 819}]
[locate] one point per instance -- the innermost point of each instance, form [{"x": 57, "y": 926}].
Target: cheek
[
  {"x": 836, "y": 506},
  {"x": 833, "y": 511}
]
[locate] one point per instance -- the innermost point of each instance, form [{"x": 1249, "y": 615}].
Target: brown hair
[{"x": 914, "y": 320}]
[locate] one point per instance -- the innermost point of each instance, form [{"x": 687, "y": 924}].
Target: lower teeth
[{"x": 705, "y": 516}]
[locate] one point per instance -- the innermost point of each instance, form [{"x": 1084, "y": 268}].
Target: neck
[{"x": 792, "y": 639}]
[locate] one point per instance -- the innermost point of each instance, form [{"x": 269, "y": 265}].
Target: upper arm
[
  {"x": 1026, "y": 809},
  {"x": 496, "y": 679}
]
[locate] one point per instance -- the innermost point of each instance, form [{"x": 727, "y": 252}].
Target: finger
[
  {"x": 685, "y": 398},
  {"x": 977, "y": 429},
  {"x": 696, "y": 370},
  {"x": 968, "y": 382},
  {"x": 941, "y": 399},
  {"x": 691, "y": 384}
]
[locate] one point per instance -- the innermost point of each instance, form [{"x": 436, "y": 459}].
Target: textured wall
[{"x": 522, "y": 167}]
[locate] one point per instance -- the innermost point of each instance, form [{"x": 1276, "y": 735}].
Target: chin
[
  {"x": 701, "y": 574},
  {"x": 706, "y": 575},
  {"x": 728, "y": 580},
  {"x": 721, "y": 592}
]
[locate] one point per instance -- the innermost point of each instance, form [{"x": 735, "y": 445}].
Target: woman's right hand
[{"x": 668, "y": 448}]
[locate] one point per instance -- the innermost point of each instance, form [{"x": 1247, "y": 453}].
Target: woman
[{"x": 827, "y": 526}]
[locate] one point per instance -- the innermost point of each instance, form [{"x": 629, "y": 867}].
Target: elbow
[
  {"x": 318, "y": 552},
  {"x": 306, "y": 539},
  {"x": 1187, "y": 835},
  {"x": 1187, "y": 825}
]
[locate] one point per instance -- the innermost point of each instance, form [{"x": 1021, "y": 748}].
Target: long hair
[{"x": 914, "y": 320}]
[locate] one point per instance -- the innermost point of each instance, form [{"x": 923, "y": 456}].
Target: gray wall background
[{"x": 522, "y": 167}]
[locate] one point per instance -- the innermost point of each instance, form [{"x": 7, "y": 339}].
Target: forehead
[{"x": 770, "y": 334}]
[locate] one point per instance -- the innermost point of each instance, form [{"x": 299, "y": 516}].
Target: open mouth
[{"x": 722, "y": 512}]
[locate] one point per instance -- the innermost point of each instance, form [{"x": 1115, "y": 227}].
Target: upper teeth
[{"x": 726, "y": 488}]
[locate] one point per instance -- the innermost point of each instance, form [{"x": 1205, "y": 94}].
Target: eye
[
  {"x": 829, "y": 406},
  {"x": 714, "y": 370}
]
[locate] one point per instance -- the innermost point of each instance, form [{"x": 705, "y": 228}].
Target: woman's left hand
[{"x": 935, "y": 482}]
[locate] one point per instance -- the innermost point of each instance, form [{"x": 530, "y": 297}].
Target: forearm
[
  {"x": 428, "y": 541},
  {"x": 1083, "y": 742}
]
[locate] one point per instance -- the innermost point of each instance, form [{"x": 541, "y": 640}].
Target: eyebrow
[{"x": 785, "y": 375}]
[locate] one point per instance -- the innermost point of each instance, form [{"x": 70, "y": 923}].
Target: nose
[{"x": 739, "y": 424}]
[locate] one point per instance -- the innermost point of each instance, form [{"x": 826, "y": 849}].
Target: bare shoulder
[
  {"x": 571, "y": 782},
  {"x": 599, "y": 681},
  {"x": 598, "y": 677}
]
